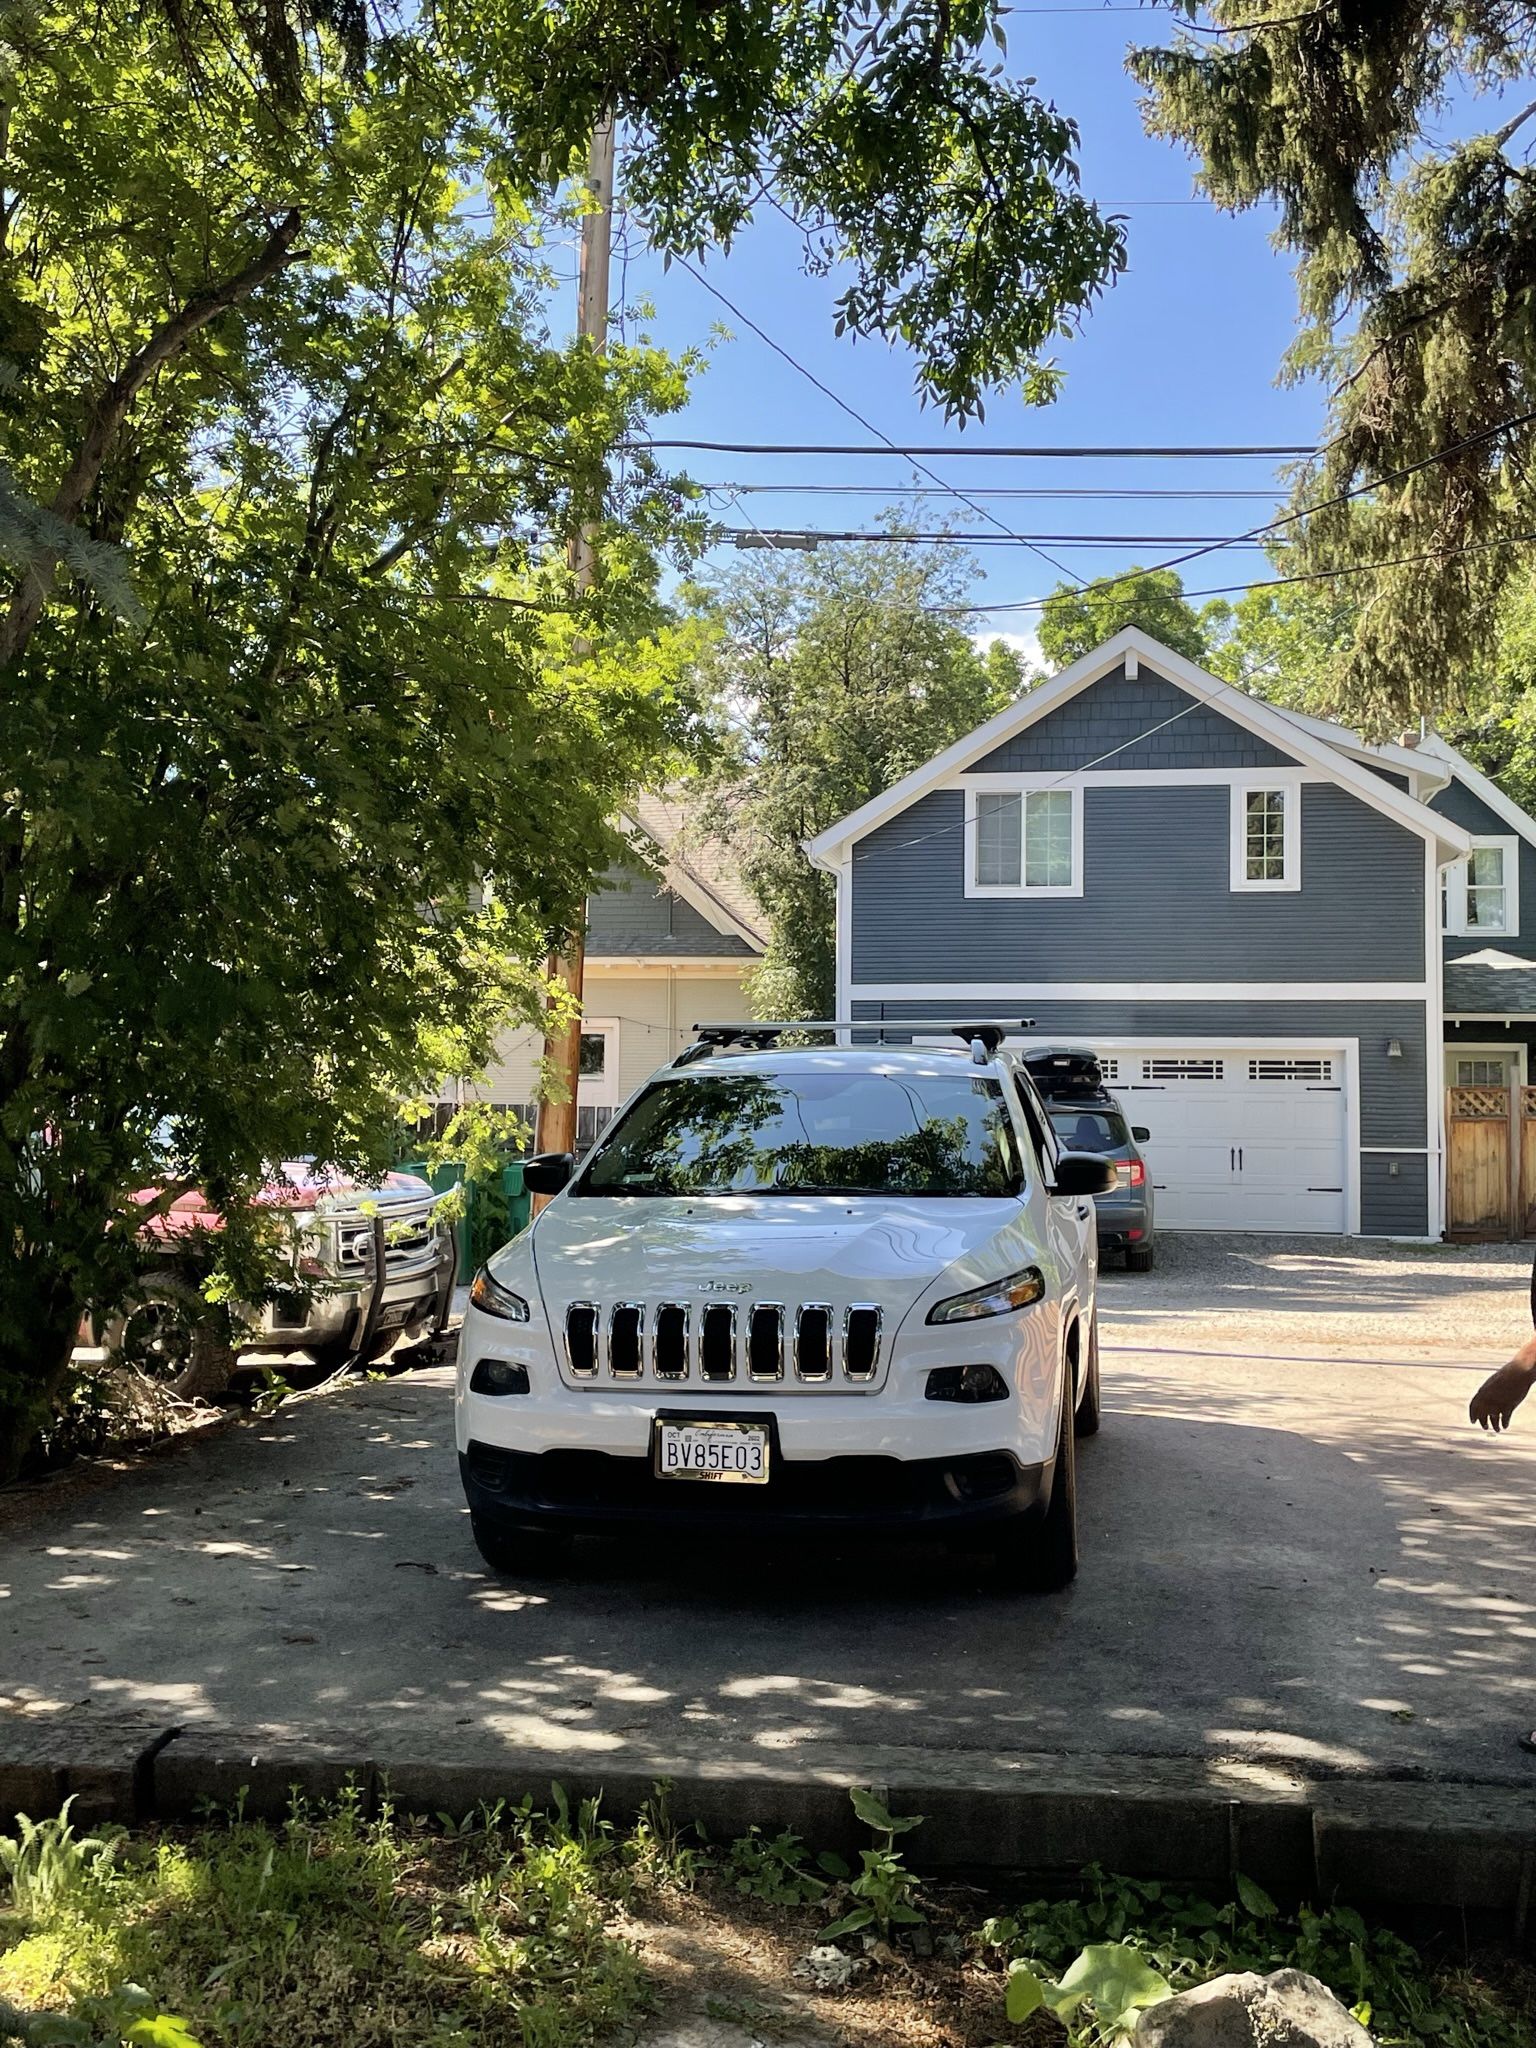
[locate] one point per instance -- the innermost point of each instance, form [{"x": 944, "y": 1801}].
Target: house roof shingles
[{"x": 1490, "y": 983}]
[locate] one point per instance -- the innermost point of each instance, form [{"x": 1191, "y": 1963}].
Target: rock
[
  {"x": 1286, "y": 2010},
  {"x": 828, "y": 1969}
]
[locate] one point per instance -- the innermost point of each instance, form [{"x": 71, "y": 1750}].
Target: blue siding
[
  {"x": 1464, "y": 808},
  {"x": 1393, "y": 1092},
  {"x": 1157, "y": 905},
  {"x": 1109, "y": 725},
  {"x": 632, "y": 915}
]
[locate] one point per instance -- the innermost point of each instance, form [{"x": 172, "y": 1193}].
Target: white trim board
[
  {"x": 1501, "y": 805},
  {"x": 1304, "y": 749},
  {"x": 1137, "y": 992}
]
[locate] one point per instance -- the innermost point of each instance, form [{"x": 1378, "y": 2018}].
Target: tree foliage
[
  {"x": 1416, "y": 258},
  {"x": 839, "y": 675},
  {"x": 1075, "y": 619},
  {"x": 290, "y": 659}
]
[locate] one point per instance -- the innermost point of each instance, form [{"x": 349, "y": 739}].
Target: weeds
[
  {"x": 777, "y": 1869},
  {"x": 885, "y": 1890}
]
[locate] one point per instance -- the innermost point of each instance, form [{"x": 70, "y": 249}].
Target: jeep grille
[{"x": 720, "y": 1343}]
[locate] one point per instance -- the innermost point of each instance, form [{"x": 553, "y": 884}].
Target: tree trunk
[{"x": 37, "y": 1338}]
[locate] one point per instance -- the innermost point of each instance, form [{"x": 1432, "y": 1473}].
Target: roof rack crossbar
[{"x": 983, "y": 1038}]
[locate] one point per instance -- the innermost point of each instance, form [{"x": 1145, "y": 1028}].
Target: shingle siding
[
  {"x": 1157, "y": 903},
  {"x": 1465, "y": 808},
  {"x": 632, "y": 915},
  {"x": 1110, "y": 725}
]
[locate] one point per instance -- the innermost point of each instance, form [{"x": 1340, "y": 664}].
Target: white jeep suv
[{"x": 848, "y": 1288}]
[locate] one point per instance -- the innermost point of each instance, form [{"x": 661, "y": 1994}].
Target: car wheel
[
  {"x": 166, "y": 1334},
  {"x": 1040, "y": 1555},
  {"x": 511, "y": 1551},
  {"x": 1138, "y": 1258},
  {"x": 1086, "y": 1420}
]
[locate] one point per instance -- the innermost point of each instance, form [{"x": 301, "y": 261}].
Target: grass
[
  {"x": 352, "y": 1933},
  {"x": 337, "y": 1930}
]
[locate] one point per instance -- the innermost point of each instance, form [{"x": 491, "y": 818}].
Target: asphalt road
[{"x": 1293, "y": 1561}]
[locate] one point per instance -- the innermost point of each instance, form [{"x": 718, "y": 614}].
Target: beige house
[{"x": 671, "y": 936}]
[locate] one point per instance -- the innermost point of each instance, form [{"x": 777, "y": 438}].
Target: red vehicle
[{"x": 372, "y": 1265}]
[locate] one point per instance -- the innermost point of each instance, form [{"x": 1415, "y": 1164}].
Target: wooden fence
[{"x": 1491, "y": 1162}]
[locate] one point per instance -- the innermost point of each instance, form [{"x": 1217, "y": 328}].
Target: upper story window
[
  {"x": 1266, "y": 836},
  {"x": 1480, "y": 896},
  {"x": 1024, "y": 842}
]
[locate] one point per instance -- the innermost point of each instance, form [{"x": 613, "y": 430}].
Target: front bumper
[
  {"x": 410, "y": 1299},
  {"x": 592, "y": 1492}
]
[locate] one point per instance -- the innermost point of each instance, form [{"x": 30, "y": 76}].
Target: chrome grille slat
[
  {"x": 582, "y": 1327},
  {"x": 669, "y": 1344},
  {"x": 765, "y": 1354},
  {"x": 717, "y": 1315},
  {"x": 720, "y": 1343},
  {"x": 811, "y": 1318}
]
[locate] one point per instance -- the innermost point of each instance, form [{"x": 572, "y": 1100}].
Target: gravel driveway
[{"x": 1323, "y": 1296}]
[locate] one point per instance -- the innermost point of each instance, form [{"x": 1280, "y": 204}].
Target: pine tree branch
[{"x": 111, "y": 409}]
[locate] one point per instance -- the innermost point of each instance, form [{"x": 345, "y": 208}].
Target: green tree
[
  {"x": 1414, "y": 258},
  {"x": 839, "y": 674},
  {"x": 290, "y": 658},
  {"x": 1282, "y": 643},
  {"x": 1074, "y": 620}
]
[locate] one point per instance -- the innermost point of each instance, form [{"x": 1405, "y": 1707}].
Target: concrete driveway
[{"x": 1287, "y": 1559}]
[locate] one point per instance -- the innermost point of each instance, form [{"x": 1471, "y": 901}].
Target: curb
[{"x": 1369, "y": 1841}]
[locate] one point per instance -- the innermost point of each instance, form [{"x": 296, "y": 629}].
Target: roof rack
[{"x": 753, "y": 1036}]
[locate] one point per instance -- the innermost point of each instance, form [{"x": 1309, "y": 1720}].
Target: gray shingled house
[{"x": 1285, "y": 943}]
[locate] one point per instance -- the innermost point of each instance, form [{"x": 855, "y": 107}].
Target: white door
[{"x": 1242, "y": 1138}]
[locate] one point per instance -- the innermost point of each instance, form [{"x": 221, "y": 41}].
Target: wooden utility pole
[{"x": 562, "y": 1044}]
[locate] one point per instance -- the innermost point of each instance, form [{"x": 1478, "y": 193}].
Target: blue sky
[{"x": 1184, "y": 349}]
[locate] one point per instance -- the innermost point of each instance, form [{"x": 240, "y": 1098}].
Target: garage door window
[{"x": 1266, "y": 838}]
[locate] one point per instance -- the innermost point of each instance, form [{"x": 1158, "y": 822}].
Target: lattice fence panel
[{"x": 1478, "y": 1103}]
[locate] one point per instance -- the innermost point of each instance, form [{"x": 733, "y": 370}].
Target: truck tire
[
  {"x": 1086, "y": 1421},
  {"x": 167, "y": 1333},
  {"x": 513, "y": 1552},
  {"x": 1040, "y": 1555}
]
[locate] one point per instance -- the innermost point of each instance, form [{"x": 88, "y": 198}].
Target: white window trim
[
  {"x": 1006, "y": 785},
  {"x": 1456, "y": 926},
  {"x": 1288, "y": 787},
  {"x": 601, "y": 1091}
]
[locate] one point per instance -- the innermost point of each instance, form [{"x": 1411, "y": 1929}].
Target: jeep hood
[{"x": 783, "y": 1248}]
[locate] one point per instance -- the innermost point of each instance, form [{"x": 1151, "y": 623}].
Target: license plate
[
  {"x": 392, "y": 1315},
  {"x": 730, "y": 1453}
]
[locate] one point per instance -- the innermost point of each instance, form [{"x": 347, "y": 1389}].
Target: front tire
[
  {"x": 168, "y": 1335},
  {"x": 514, "y": 1553},
  {"x": 1086, "y": 1420},
  {"x": 1040, "y": 1556}
]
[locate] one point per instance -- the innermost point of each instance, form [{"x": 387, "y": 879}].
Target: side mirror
[
  {"x": 1140, "y": 1133},
  {"x": 1083, "y": 1173},
  {"x": 546, "y": 1173}
]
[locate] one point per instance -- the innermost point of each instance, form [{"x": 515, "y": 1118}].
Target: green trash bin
[{"x": 485, "y": 1224}]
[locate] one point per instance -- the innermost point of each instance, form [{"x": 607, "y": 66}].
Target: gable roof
[
  {"x": 1294, "y": 736},
  {"x": 1502, "y": 806},
  {"x": 700, "y": 869}
]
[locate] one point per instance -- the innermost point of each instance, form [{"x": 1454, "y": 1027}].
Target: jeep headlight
[
  {"x": 496, "y": 1300},
  {"x": 997, "y": 1298}
]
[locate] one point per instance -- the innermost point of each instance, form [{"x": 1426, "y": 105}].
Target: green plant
[
  {"x": 657, "y": 1851},
  {"x": 124, "y": 2018},
  {"x": 885, "y": 1889},
  {"x": 1078, "y": 1951},
  {"x": 777, "y": 1868},
  {"x": 46, "y": 1863}
]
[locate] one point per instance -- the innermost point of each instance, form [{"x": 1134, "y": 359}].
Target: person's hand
[{"x": 1502, "y": 1392}]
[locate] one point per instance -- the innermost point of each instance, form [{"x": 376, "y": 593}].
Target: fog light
[
  {"x": 966, "y": 1383},
  {"x": 498, "y": 1376}
]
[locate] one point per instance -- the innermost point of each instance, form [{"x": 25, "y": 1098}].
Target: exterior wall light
[{"x": 1394, "y": 1048}]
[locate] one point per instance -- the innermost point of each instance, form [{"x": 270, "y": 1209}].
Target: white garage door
[{"x": 1242, "y": 1138}]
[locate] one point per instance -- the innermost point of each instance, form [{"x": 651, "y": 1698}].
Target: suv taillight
[{"x": 1130, "y": 1173}]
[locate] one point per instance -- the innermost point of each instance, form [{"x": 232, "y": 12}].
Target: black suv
[{"x": 1087, "y": 1118}]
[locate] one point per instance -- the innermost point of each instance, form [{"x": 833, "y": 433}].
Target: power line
[
  {"x": 1080, "y": 453},
  {"x": 792, "y": 536},
  {"x": 853, "y": 414},
  {"x": 983, "y": 491},
  {"x": 1476, "y": 547}
]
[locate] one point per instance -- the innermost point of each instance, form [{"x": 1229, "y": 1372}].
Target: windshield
[
  {"x": 828, "y": 1133},
  {"x": 1091, "y": 1130}
]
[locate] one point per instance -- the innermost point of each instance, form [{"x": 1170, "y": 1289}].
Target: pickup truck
[{"x": 372, "y": 1264}]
